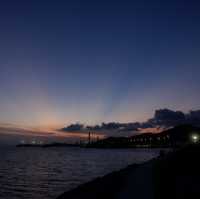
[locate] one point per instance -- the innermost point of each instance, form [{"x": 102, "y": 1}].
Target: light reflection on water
[{"x": 35, "y": 173}]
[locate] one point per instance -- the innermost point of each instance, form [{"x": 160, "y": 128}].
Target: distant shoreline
[
  {"x": 176, "y": 137},
  {"x": 75, "y": 145},
  {"x": 48, "y": 145}
]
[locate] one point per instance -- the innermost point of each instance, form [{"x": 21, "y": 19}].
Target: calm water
[{"x": 35, "y": 173}]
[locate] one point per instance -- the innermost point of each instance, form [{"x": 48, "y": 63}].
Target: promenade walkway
[{"x": 139, "y": 183}]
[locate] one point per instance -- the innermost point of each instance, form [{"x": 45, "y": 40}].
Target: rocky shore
[
  {"x": 174, "y": 175},
  {"x": 101, "y": 187}
]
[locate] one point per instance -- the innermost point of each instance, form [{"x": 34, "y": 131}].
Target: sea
[{"x": 45, "y": 173}]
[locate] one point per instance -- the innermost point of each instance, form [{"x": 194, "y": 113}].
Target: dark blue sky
[{"x": 94, "y": 61}]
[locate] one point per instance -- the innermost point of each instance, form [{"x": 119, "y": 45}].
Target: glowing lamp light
[
  {"x": 195, "y": 138},
  {"x": 33, "y": 142}
]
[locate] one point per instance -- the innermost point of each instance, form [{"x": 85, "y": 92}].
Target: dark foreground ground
[{"x": 175, "y": 175}]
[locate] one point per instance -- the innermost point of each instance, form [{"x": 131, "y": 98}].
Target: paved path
[{"x": 139, "y": 184}]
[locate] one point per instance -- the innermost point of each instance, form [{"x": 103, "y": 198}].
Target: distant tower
[{"x": 89, "y": 138}]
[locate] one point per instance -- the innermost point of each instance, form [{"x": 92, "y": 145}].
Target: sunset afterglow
[{"x": 58, "y": 67}]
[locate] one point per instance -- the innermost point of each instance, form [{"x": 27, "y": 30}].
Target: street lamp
[{"x": 195, "y": 138}]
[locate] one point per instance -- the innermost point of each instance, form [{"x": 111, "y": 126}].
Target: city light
[{"x": 195, "y": 138}]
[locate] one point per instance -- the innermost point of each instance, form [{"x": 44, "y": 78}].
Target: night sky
[{"x": 95, "y": 61}]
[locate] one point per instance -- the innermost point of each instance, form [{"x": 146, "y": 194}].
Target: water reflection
[{"x": 34, "y": 173}]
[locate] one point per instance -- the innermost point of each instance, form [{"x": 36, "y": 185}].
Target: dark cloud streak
[{"x": 164, "y": 118}]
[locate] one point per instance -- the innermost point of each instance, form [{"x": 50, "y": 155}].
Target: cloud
[
  {"x": 166, "y": 117},
  {"x": 162, "y": 119},
  {"x": 22, "y": 131},
  {"x": 111, "y": 126},
  {"x": 73, "y": 127},
  {"x": 193, "y": 116}
]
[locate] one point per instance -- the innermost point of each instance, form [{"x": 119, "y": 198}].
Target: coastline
[
  {"x": 174, "y": 175},
  {"x": 100, "y": 186},
  {"x": 114, "y": 184}
]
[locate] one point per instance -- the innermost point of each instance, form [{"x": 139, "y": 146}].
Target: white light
[
  {"x": 33, "y": 142},
  {"x": 195, "y": 138}
]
